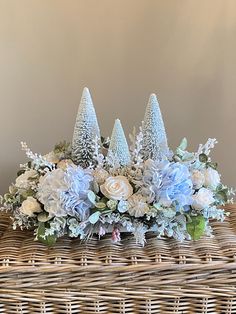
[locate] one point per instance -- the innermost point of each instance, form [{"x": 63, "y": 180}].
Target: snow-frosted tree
[
  {"x": 155, "y": 143},
  {"x": 118, "y": 145},
  {"x": 85, "y": 131}
]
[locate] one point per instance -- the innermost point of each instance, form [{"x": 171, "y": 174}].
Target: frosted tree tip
[
  {"x": 154, "y": 136},
  {"x": 117, "y": 123},
  {"x": 153, "y": 97},
  {"x": 153, "y": 100},
  {"x": 86, "y": 94},
  {"x": 118, "y": 144}
]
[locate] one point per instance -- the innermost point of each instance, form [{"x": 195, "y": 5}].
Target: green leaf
[
  {"x": 222, "y": 196},
  {"x": 49, "y": 240},
  {"x": 213, "y": 165},
  {"x": 157, "y": 205},
  {"x": 94, "y": 217},
  {"x": 100, "y": 205},
  {"x": 20, "y": 172},
  {"x": 183, "y": 144},
  {"x": 92, "y": 197},
  {"x": 196, "y": 227},
  {"x": 43, "y": 217},
  {"x": 203, "y": 157}
]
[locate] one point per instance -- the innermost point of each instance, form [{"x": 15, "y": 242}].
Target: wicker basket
[{"x": 101, "y": 277}]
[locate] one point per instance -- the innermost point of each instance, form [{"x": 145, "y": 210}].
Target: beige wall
[{"x": 184, "y": 50}]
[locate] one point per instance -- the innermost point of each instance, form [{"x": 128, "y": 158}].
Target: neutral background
[{"x": 123, "y": 50}]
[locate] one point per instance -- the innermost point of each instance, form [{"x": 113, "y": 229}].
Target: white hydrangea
[{"x": 49, "y": 192}]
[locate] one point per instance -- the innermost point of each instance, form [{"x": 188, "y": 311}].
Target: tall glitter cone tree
[
  {"x": 155, "y": 144},
  {"x": 118, "y": 145},
  {"x": 85, "y": 132}
]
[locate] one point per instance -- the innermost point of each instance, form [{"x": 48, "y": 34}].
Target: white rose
[
  {"x": 30, "y": 206},
  {"x": 202, "y": 199},
  {"x": 212, "y": 178},
  {"x": 198, "y": 179},
  {"x": 117, "y": 188},
  {"x": 22, "y": 182},
  {"x": 52, "y": 157}
]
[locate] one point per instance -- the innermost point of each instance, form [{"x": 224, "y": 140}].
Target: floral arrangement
[{"x": 97, "y": 185}]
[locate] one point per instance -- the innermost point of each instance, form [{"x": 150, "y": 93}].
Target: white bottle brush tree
[
  {"x": 154, "y": 144},
  {"x": 85, "y": 131},
  {"x": 118, "y": 145}
]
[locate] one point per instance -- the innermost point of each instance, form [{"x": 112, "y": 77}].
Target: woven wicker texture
[{"x": 101, "y": 277}]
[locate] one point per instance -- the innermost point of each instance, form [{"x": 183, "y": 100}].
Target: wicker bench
[{"x": 101, "y": 277}]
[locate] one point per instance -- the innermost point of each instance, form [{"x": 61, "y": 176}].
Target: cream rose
[
  {"x": 212, "y": 178},
  {"x": 117, "y": 188},
  {"x": 202, "y": 199},
  {"x": 30, "y": 206},
  {"x": 198, "y": 179},
  {"x": 52, "y": 157},
  {"x": 63, "y": 164},
  {"x": 22, "y": 182},
  {"x": 100, "y": 175}
]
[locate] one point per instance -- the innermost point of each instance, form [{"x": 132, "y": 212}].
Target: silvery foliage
[
  {"x": 76, "y": 228},
  {"x": 22, "y": 221},
  {"x": 139, "y": 232},
  {"x": 98, "y": 156},
  {"x": 118, "y": 147},
  {"x": 206, "y": 148},
  {"x": 86, "y": 129},
  {"x": 214, "y": 213},
  {"x": 38, "y": 161},
  {"x": 154, "y": 135},
  {"x": 136, "y": 146},
  {"x": 171, "y": 226},
  {"x": 57, "y": 227}
]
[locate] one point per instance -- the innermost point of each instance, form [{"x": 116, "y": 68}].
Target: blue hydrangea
[
  {"x": 66, "y": 192},
  {"x": 75, "y": 198},
  {"x": 168, "y": 183}
]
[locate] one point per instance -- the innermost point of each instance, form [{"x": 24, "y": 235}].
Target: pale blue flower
[
  {"x": 66, "y": 192},
  {"x": 75, "y": 200},
  {"x": 122, "y": 206},
  {"x": 168, "y": 183}
]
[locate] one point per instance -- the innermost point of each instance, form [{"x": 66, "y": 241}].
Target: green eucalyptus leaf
[
  {"x": 196, "y": 227},
  {"x": 43, "y": 217},
  {"x": 222, "y": 196},
  {"x": 187, "y": 156},
  {"x": 94, "y": 217},
  {"x": 92, "y": 197},
  {"x": 157, "y": 206},
  {"x": 100, "y": 205},
  {"x": 183, "y": 144},
  {"x": 49, "y": 240},
  {"x": 213, "y": 165},
  {"x": 179, "y": 152},
  {"x": 203, "y": 158}
]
